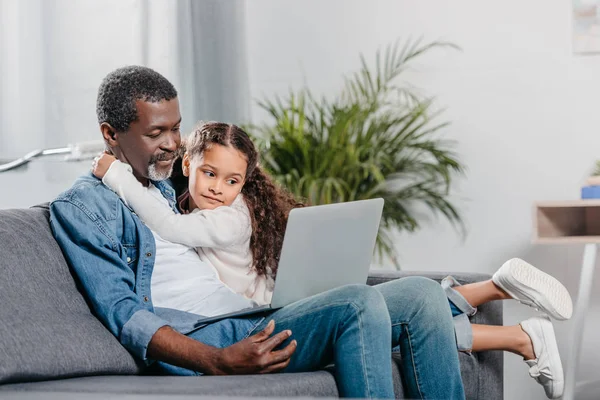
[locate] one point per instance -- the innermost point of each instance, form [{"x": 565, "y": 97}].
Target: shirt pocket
[{"x": 131, "y": 253}]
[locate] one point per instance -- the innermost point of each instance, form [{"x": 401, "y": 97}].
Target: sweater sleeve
[{"x": 219, "y": 228}]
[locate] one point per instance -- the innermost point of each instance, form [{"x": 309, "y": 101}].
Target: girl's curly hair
[{"x": 269, "y": 204}]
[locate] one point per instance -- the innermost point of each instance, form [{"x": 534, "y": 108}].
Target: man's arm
[
  {"x": 93, "y": 253},
  {"x": 218, "y": 228}
]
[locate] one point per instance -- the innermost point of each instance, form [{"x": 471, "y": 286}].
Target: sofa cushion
[
  {"x": 317, "y": 384},
  {"x": 314, "y": 384},
  {"x": 47, "y": 329}
]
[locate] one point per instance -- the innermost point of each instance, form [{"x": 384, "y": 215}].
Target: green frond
[{"x": 379, "y": 138}]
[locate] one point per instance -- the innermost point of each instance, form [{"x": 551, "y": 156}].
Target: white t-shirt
[{"x": 182, "y": 281}]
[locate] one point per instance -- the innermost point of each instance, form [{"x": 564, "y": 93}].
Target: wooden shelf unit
[{"x": 576, "y": 221}]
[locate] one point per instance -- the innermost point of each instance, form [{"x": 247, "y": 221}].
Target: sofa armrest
[{"x": 377, "y": 276}]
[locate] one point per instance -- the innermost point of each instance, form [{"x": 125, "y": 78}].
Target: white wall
[{"x": 523, "y": 111}]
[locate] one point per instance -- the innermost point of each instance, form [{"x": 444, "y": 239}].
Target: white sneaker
[
  {"x": 528, "y": 285},
  {"x": 546, "y": 369}
]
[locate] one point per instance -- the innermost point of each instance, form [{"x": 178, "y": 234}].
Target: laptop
[{"x": 324, "y": 247}]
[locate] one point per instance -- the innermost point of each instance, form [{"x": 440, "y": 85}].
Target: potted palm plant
[{"x": 377, "y": 138}]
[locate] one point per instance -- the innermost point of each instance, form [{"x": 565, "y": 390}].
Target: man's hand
[
  {"x": 255, "y": 354},
  {"x": 101, "y": 164}
]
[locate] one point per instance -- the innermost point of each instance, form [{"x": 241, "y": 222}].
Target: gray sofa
[{"x": 50, "y": 341}]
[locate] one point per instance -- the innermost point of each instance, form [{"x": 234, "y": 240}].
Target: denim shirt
[{"x": 112, "y": 253}]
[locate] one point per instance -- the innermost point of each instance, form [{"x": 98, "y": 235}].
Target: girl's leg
[
  {"x": 533, "y": 339},
  {"x": 506, "y": 338},
  {"x": 521, "y": 281},
  {"x": 479, "y": 293}
]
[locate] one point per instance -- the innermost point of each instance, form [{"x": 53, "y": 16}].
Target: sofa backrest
[{"x": 47, "y": 329}]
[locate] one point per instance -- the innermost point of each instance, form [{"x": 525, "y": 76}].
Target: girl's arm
[{"x": 218, "y": 228}]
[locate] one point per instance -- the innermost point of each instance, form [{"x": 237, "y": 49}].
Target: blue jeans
[
  {"x": 461, "y": 312},
  {"x": 355, "y": 327}
]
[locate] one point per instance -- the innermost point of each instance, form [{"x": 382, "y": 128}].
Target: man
[{"x": 118, "y": 259}]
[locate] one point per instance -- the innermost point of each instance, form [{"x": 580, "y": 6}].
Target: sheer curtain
[{"x": 54, "y": 53}]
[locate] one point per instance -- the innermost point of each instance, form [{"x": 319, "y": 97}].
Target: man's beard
[{"x": 154, "y": 174}]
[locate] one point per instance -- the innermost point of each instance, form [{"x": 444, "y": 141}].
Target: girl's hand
[{"x": 101, "y": 164}]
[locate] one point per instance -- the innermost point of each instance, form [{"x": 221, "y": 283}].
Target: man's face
[{"x": 152, "y": 142}]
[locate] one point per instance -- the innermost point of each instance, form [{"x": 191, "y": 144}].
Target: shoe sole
[{"x": 537, "y": 287}]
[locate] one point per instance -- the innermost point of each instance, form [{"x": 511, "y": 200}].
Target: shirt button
[
  {"x": 146, "y": 298},
  {"x": 148, "y": 254},
  {"x": 128, "y": 259}
]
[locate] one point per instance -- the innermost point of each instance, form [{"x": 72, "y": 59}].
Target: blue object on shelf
[{"x": 590, "y": 192}]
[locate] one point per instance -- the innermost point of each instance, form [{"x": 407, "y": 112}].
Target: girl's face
[{"x": 216, "y": 177}]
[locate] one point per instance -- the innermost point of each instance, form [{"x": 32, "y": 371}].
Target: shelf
[{"x": 575, "y": 221}]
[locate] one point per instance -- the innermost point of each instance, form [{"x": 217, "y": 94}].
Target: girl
[
  {"x": 237, "y": 219},
  {"x": 237, "y": 215}
]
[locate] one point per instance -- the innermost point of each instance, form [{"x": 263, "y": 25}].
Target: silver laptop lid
[{"x": 326, "y": 247}]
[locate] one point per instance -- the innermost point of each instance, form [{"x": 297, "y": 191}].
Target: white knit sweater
[{"x": 221, "y": 236}]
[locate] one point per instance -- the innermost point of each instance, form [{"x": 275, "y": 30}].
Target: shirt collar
[{"x": 168, "y": 192}]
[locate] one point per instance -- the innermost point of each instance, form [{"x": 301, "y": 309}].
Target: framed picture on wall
[{"x": 586, "y": 26}]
